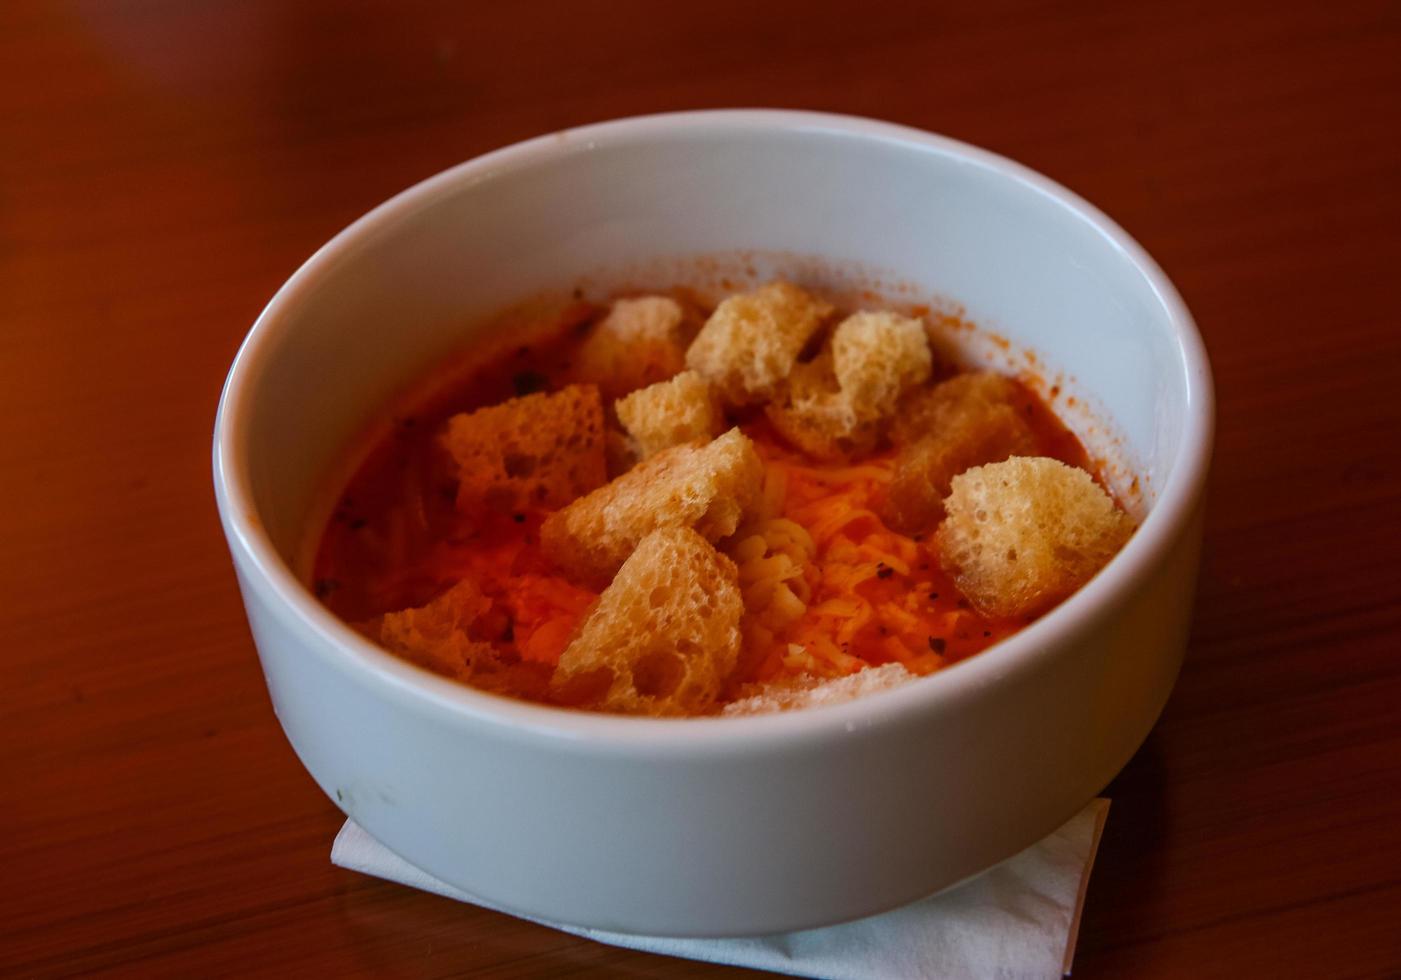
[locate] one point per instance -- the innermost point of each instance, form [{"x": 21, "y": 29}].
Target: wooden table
[{"x": 164, "y": 166}]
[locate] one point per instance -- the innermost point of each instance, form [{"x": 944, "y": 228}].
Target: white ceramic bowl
[{"x": 707, "y": 827}]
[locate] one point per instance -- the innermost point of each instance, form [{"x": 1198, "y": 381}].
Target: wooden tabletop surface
[{"x": 164, "y": 166}]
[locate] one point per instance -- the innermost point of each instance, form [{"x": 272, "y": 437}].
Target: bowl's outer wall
[
  {"x": 787, "y": 832},
  {"x": 751, "y": 842}
]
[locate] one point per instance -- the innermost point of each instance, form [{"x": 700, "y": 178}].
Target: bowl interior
[{"x": 833, "y": 201}]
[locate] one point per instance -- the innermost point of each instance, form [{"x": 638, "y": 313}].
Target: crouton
[
  {"x": 1023, "y": 534},
  {"x": 928, "y": 410},
  {"x": 877, "y": 357},
  {"x": 833, "y": 406},
  {"x": 814, "y": 414},
  {"x": 641, "y": 341},
  {"x": 669, "y": 413},
  {"x": 620, "y": 450},
  {"x": 706, "y": 487},
  {"x": 539, "y": 450},
  {"x": 967, "y": 427},
  {"x": 752, "y": 340},
  {"x": 664, "y": 635},
  {"x": 438, "y": 635},
  {"x": 811, "y": 692}
]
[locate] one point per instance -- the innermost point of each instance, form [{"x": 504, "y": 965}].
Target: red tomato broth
[{"x": 396, "y": 540}]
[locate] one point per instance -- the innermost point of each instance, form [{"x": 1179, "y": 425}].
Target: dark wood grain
[{"x": 164, "y": 166}]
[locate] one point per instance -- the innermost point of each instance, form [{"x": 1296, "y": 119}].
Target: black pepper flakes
[
  {"x": 325, "y": 586},
  {"x": 518, "y": 518},
  {"x": 358, "y": 523},
  {"x": 933, "y": 597},
  {"x": 938, "y": 644},
  {"x": 884, "y": 571}
]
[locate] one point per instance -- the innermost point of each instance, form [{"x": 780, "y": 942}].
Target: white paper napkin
[{"x": 1019, "y": 919}]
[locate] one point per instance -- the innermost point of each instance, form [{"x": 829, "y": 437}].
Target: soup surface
[{"x": 834, "y": 577}]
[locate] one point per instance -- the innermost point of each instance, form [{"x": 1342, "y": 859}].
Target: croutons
[
  {"x": 814, "y": 414},
  {"x": 928, "y": 410},
  {"x": 833, "y": 406},
  {"x": 664, "y": 635},
  {"x": 437, "y": 636},
  {"x": 752, "y": 340},
  {"x": 810, "y": 692},
  {"x": 877, "y": 357},
  {"x": 620, "y": 450},
  {"x": 641, "y": 341},
  {"x": 670, "y": 413},
  {"x": 1023, "y": 534},
  {"x": 541, "y": 450},
  {"x": 706, "y": 487},
  {"x": 964, "y": 425}
]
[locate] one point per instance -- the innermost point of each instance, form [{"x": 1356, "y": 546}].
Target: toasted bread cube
[
  {"x": 814, "y": 414},
  {"x": 540, "y": 450},
  {"x": 438, "y": 635},
  {"x": 967, "y": 428},
  {"x": 706, "y": 487},
  {"x": 927, "y": 410},
  {"x": 752, "y": 340},
  {"x": 621, "y": 452},
  {"x": 664, "y": 635},
  {"x": 812, "y": 692},
  {"x": 1023, "y": 534},
  {"x": 670, "y": 413},
  {"x": 877, "y": 357},
  {"x": 641, "y": 341},
  {"x": 833, "y": 407}
]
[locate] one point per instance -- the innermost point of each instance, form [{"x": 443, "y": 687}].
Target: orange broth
[{"x": 396, "y": 540}]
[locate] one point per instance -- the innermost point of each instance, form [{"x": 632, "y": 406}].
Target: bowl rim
[{"x": 264, "y": 571}]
